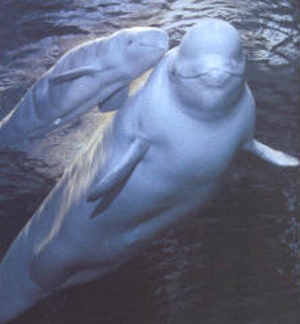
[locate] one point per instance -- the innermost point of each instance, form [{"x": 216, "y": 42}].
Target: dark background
[{"x": 235, "y": 262}]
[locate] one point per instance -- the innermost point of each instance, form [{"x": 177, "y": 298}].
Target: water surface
[{"x": 235, "y": 262}]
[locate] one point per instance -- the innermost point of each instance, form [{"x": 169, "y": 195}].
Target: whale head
[
  {"x": 209, "y": 65},
  {"x": 137, "y": 49},
  {"x": 97, "y": 70}
]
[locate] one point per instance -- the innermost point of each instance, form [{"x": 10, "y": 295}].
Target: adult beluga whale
[
  {"x": 98, "y": 71},
  {"x": 163, "y": 157}
]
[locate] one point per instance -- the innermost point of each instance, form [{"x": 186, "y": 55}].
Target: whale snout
[
  {"x": 155, "y": 39},
  {"x": 143, "y": 38},
  {"x": 216, "y": 77},
  {"x": 215, "y": 69},
  {"x": 143, "y": 48}
]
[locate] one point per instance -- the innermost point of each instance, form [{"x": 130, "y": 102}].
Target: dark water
[{"x": 235, "y": 262}]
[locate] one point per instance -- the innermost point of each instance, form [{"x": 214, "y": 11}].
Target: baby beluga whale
[
  {"x": 96, "y": 72},
  {"x": 162, "y": 158}
]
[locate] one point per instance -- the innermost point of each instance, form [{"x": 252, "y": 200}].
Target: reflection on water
[{"x": 235, "y": 262}]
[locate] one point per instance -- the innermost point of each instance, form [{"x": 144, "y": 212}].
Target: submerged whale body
[{"x": 163, "y": 157}]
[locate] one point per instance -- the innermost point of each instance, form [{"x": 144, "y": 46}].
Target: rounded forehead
[
  {"x": 140, "y": 32},
  {"x": 211, "y": 36}
]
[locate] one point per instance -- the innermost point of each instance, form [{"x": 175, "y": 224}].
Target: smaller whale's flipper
[
  {"x": 115, "y": 101},
  {"x": 271, "y": 155},
  {"x": 122, "y": 171},
  {"x": 73, "y": 74}
]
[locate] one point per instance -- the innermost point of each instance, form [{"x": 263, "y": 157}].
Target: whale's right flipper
[
  {"x": 122, "y": 171},
  {"x": 271, "y": 155},
  {"x": 73, "y": 74}
]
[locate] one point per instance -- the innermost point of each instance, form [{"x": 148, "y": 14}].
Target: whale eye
[{"x": 130, "y": 41}]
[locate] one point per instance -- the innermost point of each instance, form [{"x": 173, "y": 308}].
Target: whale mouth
[
  {"x": 213, "y": 78},
  {"x": 211, "y": 72},
  {"x": 206, "y": 66},
  {"x": 155, "y": 45}
]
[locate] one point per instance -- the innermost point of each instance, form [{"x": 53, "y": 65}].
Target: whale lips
[
  {"x": 162, "y": 45},
  {"x": 212, "y": 70},
  {"x": 213, "y": 76},
  {"x": 152, "y": 38}
]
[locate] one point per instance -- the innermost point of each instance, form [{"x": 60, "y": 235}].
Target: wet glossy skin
[
  {"x": 89, "y": 74},
  {"x": 142, "y": 48},
  {"x": 189, "y": 153},
  {"x": 192, "y": 144}
]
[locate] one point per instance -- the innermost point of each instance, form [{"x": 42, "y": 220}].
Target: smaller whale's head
[
  {"x": 138, "y": 49},
  {"x": 209, "y": 64}
]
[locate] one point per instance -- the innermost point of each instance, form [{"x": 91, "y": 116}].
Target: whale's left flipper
[
  {"x": 122, "y": 171},
  {"x": 270, "y": 155},
  {"x": 72, "y": 75}
]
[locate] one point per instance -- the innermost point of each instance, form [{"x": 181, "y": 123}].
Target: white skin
[
  {"x": 117, "y": 60},
  {"x": 81, "y": 79},
  {"x": 187, "y": 131}
]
